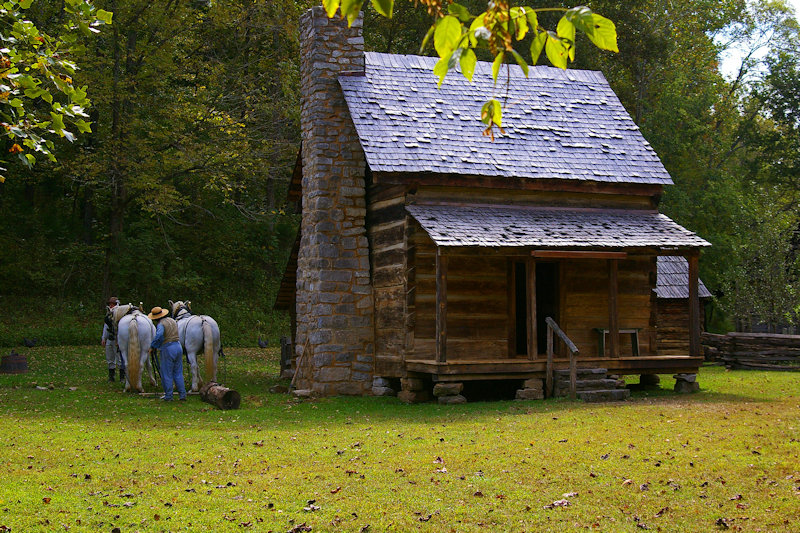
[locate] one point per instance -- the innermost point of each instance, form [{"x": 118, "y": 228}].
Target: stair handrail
[{"x": 573, "y": 358}]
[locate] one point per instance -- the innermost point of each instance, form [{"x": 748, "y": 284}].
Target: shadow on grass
[{"x": 252, "y": 372}]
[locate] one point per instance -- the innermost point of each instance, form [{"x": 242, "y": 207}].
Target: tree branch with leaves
[
  {"x": 38, "y": 101},
  {"x": 456, "y": 34}
]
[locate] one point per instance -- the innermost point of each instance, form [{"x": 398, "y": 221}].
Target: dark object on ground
[
  {"x": 13, "y": 363},
  {"x": 262, "y": 343},
  {"x": 219, "y": 396},
  {"x": 30, "y": 343}
]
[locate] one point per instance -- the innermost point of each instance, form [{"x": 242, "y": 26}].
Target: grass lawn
[{"x": 83, "y": 456}]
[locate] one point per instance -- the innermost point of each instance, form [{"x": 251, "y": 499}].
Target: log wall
[
  {"x": 386, "y": 231},
  {"x": 584, "y": 296},
  {"x": 673, "y": 326},
  {"x": 477, "y": 304}
]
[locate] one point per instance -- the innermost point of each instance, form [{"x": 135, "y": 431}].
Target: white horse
[
  {"x": 135, "y": 332},
  {"x": 196, "y": 333}
]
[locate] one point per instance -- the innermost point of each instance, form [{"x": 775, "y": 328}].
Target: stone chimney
[{"x": 335, "y": 336}]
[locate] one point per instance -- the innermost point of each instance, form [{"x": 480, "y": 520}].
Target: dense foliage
[{"x": 179, "y": 190}]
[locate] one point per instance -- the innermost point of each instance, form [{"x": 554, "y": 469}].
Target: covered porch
[{"x": 587, "y": 269}]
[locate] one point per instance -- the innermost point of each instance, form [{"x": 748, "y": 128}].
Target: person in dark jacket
[
  {"x": 109, "y": 343},
  {"x": 166, "y": 340}
]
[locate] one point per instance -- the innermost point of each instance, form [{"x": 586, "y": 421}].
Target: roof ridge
[{"x": 384, "y": 59}]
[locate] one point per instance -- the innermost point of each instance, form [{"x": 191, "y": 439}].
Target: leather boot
[
  {"x": 122, "y": 374},
  {"x": 110, "y": 374}
]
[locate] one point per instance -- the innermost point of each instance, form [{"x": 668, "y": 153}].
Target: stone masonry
[{"x": 335, "y": 336}]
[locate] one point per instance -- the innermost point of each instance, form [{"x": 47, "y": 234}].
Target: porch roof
[
  {"x": 520, "y": 226},
  {"x": 672, "y": 279}
]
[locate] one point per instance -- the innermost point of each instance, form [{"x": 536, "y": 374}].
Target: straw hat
[{"x": 157, "y": 312}]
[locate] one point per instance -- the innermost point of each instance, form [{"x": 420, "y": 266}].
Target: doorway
[
  {"x": 546, "y": 300},
  {"x": 547, "y": 296}
]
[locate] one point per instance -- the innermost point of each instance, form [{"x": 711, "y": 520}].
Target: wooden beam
[
  {"x": 511, "y": 295},
  {"x": 518, "y": 184},
  {"x": 575, "y": 254},
  {"x": 441, "y": 306},
  {"x": 613, "y": 311},
  {"x": 694, "y": 305},
  {"x": 533, "y": 344}
]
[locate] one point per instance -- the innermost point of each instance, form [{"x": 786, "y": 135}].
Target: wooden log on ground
[{"x": 219, "y": 396}]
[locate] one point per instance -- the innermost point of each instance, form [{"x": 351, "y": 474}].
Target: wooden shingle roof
[
  {"x": 566, "y": 125},
  {"x": 509, "y": 226},
  {"x": 672, "y": 278}
]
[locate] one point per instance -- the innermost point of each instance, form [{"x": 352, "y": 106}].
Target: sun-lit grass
[{"x": 94, "y": 458}]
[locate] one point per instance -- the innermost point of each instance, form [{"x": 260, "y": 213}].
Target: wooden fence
[{"x": 753, "y": 351}]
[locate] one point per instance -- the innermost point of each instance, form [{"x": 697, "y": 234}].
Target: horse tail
[
  {"x": 134, "y": 355},
  {"x": 208, "y": 350}
]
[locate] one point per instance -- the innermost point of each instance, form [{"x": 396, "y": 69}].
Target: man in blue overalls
[{"x": 166, "y": 340}]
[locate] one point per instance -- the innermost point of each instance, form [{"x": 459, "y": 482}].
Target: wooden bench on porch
[{"x": 601, "y": 340}]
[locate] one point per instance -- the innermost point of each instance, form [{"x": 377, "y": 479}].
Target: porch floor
[{"x": 466, "y": 370}]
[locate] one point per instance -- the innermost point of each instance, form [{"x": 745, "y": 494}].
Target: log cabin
[
  {"x": 430, "y": 253},
  {"x": 672, "y": 299}
]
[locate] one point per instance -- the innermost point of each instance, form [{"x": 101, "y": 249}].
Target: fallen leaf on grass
[
  {"x": 569, "y": 495},
  {"x": 722, "y": 523},
  {"x": 478, "y": 494},
  {"x": 661, "y": 512},
  {"x": 557, "y": 503},
  {"x": 299, "y": 528},
  {"x": 737, "y": 497},
  {"x": 46, "y": 500},
  {"x": 337, "y": 489},
  {"x": 438, "y": 460},
  {"x": 627, "y": 482}
]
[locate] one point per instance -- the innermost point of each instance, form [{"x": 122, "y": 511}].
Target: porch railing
[{"x": 573, "y": 358}]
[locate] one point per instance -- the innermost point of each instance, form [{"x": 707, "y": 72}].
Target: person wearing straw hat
[{"x": 166, "y": 340}]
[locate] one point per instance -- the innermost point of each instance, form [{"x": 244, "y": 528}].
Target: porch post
[
  {"x": 694, "y": 304},
  {"x": 441, "y": 306},
  {"x": 613, "y": 312},
  {"x": 533, "y": 342}
]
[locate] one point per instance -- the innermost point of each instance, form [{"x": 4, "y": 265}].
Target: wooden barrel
[{"x": 13, "y": 364}]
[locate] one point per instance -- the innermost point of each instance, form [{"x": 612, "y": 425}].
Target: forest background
[{"x": 179, "y": 192}]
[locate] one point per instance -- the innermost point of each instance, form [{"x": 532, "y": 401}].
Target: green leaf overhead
[
  {"x": 496, "y": 64},
  {"x": 603, "y": 33},
  {"x": 447, "y": 35},
  {"x": 557, "y": 51},
  {"x": 537, "y": 45},
  {"x": 467, "y": 61},
  {"x": 384, "y": 7}
]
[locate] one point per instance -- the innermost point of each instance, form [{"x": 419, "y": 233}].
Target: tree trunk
[{"x": 219, "y": 396}]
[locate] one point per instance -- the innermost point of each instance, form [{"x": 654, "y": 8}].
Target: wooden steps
[{"x": 592, "y": 385}]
